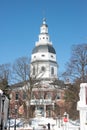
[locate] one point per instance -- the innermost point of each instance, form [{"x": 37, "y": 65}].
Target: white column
[
  {"x": 82, "y": 106},
  {"x": 1, "y": 92}
]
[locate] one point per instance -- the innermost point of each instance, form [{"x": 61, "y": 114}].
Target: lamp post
[
  {"x": 10, "y": 96},
  {"x": 15, "y": 116},
  {"x": 1, "y": 92},
  {"x": 2, "y": 113}
]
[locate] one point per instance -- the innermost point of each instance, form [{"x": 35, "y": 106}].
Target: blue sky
[{"x": 20, "y": 22}]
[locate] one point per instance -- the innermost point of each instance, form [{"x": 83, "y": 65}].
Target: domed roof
[{"x": 44, "y": 48}]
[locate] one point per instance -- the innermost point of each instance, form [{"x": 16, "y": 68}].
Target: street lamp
[
  {"x": 1, "y": 92},
  {"x": 10, "y": 96},
  {"x": 2, "y": 113},
  {"x": 15, "y": 116}
]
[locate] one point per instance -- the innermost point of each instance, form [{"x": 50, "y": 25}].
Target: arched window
[
  {"x": 34, "y": 70},
  {"x": 42, "y": 68},
  {"x": 52, "y": 70}
]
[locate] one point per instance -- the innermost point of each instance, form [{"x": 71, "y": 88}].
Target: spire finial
[{"x": 44, "y": 20}]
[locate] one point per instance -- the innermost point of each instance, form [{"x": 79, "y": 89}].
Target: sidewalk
[{"x": 68, "y": 128}]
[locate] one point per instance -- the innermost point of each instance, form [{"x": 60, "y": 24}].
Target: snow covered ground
[
  {"x": 67, "y": 126},
  {"x": 40, "y": 123}
]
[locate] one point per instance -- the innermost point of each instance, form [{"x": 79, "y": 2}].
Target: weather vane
[{"x": 44, "y": 18}]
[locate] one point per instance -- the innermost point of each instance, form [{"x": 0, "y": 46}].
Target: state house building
[{"x": 44, "y": 67}]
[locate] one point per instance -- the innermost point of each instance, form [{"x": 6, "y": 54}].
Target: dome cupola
[
  {"x": 44, "y": 55},
  {"x": 44, "y": 27},
  {"x": 44, "y": 48},
  {"x": 43, "y": 36}
]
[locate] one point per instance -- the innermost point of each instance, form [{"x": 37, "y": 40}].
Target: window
[
  {"x": 52, "y": 56},
  {"x": 16, "y": 96},
  {"x": 42, "y": 68},
  {"x": 42, "y": 55},
  {"x": 52, "y": 70},
  {"x": 34, "y": 56},
  {"x": 24, "y": 95},
  {"x": 49, "y": 96},
  {"x": 34, "y": 70},
  {"x": 58, "y": 96}
]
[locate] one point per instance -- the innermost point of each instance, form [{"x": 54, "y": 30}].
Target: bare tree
[
  {"x": 5, "y": 71},
  {"x": 76, "y": 71},
  {"x": 71, "y": 97},
  {"x": 21, "y": 73},
  {"x": 21, "y": 69},
  {"x": 77, "y": 65}
]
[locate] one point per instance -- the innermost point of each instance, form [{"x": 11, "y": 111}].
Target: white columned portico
[{"x": 82, "y": 106}]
